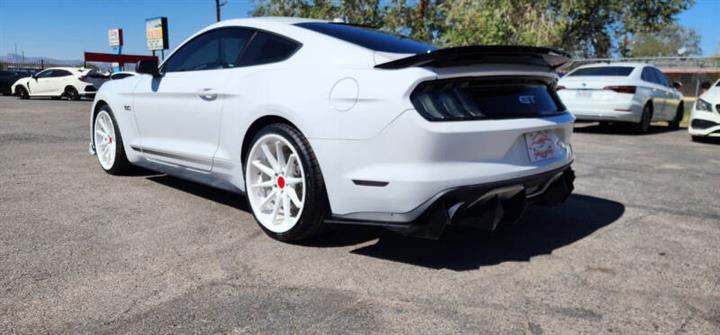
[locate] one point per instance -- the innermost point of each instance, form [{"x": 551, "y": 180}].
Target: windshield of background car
[
  {"x": 619, "y": 71},
  {"x": 369, "y": 38}
]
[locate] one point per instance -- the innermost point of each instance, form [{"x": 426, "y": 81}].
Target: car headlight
[{"x": 702, "y": 105}]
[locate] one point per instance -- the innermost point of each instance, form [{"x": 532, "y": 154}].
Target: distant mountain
[{"x": 12, "y": 58}]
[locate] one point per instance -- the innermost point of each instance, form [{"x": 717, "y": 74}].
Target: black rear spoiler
[{"x": 473, "y": 55}]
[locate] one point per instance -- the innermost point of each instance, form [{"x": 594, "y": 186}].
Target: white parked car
[
  {"x": 705, "y": 117},
  {"x": 327, "y": 123},
  {"x": 70, "y": 82},
  {"x": 622, "y": 92}
]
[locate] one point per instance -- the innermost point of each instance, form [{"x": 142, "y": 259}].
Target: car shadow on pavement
[
  {"x": 620, "y": 129},
  {"x": 544, "y": 230},
  {"x": 210, "y": 193}
]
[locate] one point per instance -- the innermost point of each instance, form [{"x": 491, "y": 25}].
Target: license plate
[
  {"x": 542, "y": 145},
  {"x": 584, "y": 94}
]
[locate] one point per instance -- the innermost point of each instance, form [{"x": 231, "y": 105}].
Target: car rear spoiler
[{"x": 473, "y": 55}]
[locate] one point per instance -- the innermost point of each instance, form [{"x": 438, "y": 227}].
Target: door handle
[{"x": 207, "y": 94}]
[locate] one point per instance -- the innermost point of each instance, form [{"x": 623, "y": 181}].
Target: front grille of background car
[{"x": 463, "y": 99}]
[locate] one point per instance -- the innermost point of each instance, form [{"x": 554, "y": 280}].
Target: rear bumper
[{"x": 483, "y": 206}]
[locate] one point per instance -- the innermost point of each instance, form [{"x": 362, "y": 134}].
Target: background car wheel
[
  {"x": 675, "y": 123},
  {"x": 109, "y": 144},
  {"x": 71, "y": 93},
  {"x": 284, "y": 185},
  {"x": 22, "y": 93},
  {"x": 644, "y": 125}
]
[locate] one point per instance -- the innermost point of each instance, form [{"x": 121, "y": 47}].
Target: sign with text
[
  {"x": 115, "y": 37},
  {"x": 156, "y": 33}
]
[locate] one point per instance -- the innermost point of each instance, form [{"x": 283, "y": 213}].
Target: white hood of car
[{"x": 712, "y": 95}]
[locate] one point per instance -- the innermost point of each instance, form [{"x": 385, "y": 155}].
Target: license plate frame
[{"x": 543, "y": 145}]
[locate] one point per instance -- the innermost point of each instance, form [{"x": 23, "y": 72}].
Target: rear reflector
[{"x": 621, "y": 89}]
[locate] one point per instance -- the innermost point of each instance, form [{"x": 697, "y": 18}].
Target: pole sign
[
  {"x": 115, "y": 37},
  {"x": 156, "y": 33}
]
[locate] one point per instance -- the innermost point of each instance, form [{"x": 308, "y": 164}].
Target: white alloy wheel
[
  {"x": 105, "y": 140},
  {"x": 275, "y": 183}
]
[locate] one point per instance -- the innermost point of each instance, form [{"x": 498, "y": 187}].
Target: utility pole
[{"x": 218, "y": 4}]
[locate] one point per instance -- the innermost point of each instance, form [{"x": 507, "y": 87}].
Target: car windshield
[
  {"x": 619, "y": 71},
  {"x": 369, "y": 38}
]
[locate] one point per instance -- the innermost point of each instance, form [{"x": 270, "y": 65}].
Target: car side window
[
  {"x": 662, "y": 78},
  {"x": 216, "y": 49},
  {"x": 61, "y": 73},
  {"x": 648, "y": 75},
  {"x": 44, "y": 74},
  {"x": 268, "y": 48}
]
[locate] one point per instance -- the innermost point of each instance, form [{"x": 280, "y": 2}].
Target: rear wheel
[
  {"x": 284, "y": 185},
  {"x": 22, "y": 93},
  {"x": 72, "y": 93},
  {"x": 675, "y": 123},
  {"x": 644, "y": 125},
  {"x": 109, "y": 144}
]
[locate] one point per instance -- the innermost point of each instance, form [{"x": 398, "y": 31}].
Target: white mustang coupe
[{"x": 323, "y": 123}]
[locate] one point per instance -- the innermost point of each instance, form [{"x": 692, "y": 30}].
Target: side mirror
[
  {"x": 677, "y": 85},
  {"x": 705, "y": 85},
  {"x": 34, "y": 76},
  {"x": 148, "y": 67}
]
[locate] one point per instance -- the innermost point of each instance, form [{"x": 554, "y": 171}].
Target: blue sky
[{"x": 64, "y": 29}]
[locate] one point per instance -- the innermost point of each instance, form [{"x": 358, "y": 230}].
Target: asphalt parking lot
[{"x": 635, "y": 250}]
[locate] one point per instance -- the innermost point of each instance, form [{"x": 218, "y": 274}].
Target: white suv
[
  {"x": 622, "y": 92},
  {"x": 70, "y": 82}
]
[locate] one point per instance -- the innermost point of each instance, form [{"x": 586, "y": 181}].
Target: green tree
[
  {"x": 587, "y": 28},
  {"x": 666, "y": 42}
]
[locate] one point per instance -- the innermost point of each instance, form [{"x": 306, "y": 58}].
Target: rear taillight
[
  {"x": 485, "y": 98},
  {"x": 621, "y": 89},
  {"x": 84, "y": 79}
]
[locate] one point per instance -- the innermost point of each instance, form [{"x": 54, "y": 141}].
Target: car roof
[{"x": 631, "y": 64}]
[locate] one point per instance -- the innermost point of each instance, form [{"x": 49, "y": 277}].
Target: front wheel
[
  {"x": 22, "y": 93},
  {"x": 109, "y": 143},
  {"x": 675, "y": 123},
  {"x": 284, "y": 185}
]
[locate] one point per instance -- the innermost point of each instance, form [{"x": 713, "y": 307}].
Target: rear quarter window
[
  {"x": 369, "y": 38},
  {"x": 266, "y": 48}
]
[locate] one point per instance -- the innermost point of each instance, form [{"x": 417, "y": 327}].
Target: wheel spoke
[
  {"x": 292, "y": 180},
  {"x": 267, "y": 199},
  {"x": 264, "y": 169},
  {"x": 293, "y": 197},
  {"x": 100, "y": 132},
  {"x": 286, "y": 208},
  {"x": 280, "y": 155},
  {"x": 270, "y": 158},
  {"x": 292, "y": 159},
  {"x": 276, "y": 209},
  {"x": 263, "y": 184}
]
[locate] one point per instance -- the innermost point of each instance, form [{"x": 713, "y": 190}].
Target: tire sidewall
[{"x": 315, "y": 201}]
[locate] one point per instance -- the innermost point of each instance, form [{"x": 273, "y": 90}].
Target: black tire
[
  {"x": 315, "y": 206},
  {"x": 697, "y": 138},
  {"x": 121, "y": 165},
  {"x": 679, "y": 114},
  {"x": 643, "y": 126},
  {"x": 22, "y": 93},
  {"x": 71, "y": 93}
]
